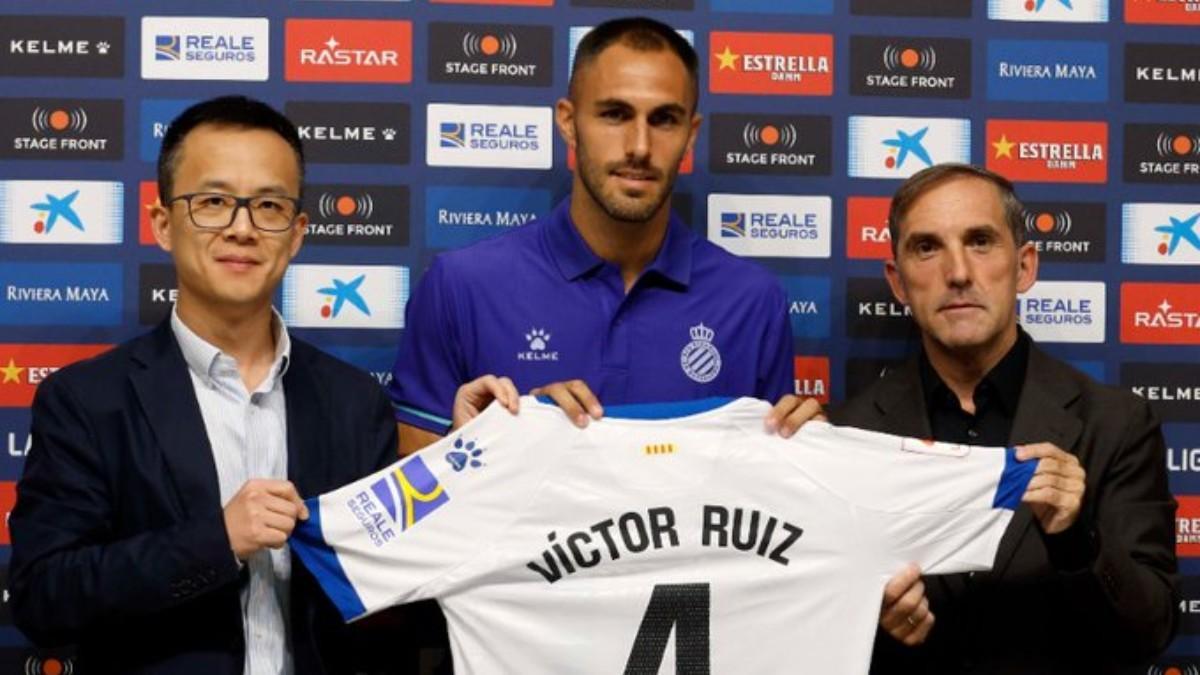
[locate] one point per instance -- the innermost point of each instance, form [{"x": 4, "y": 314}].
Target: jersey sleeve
[
  {"x": 429, "y": 364},
  {"x": 401, "y": 534},
  {"x": 776, "y": 368},
  {"x": 939, "y": 505}
]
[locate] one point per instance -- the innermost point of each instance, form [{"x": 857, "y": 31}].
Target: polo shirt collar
[{"x": 575, "y": 258}]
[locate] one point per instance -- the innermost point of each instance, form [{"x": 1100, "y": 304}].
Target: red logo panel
[
  {"x": 348, "y": 50},
  {"x": 147, "y": 198},
  {"x": 1187, "y": 527},
  {"x": 24, "y": 366},
  {"x": 771, "y": 63},
  {"x": 867, "y": 234},
  {"x": 1160, "y": 314},
  {"x": 1047, "y": 151},
  {"x": 1162, "y": 11},
  {"x": 812, "y": 377}
]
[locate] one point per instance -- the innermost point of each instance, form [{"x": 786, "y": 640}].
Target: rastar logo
[
  {"x": 1160, "y": 234},
  {"x": 348, "y": 50},
  {"x": 1167, "y": 314},
  {"x": 771, "y": 63},
  {"x": 1048, "y": 151},
  {"x": 812, "y": 377},
  {"x": 24, "y": 366},
  {"x": 867, "y": 234}
]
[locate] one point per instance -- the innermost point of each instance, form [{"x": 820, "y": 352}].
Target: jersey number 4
[{"x": 684, "y": 607}]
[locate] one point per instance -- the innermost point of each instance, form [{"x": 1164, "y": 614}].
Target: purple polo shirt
[{"x": 537, "y": 305}]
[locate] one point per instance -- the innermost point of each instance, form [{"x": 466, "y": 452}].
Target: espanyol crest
[{"x": 700, "y": 359}]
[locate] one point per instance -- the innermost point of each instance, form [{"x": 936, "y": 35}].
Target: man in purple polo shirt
[{"x": 610, "y": 297}]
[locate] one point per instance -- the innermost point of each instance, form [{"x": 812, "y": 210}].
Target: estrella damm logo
[
  {"x": 24, "y": 366},
  {"x": 1162, "y": 12},
  {"x": 1048, "y": 151},
  {"x": 410, "y": 493},
  {"x": 771, "y": 63}
]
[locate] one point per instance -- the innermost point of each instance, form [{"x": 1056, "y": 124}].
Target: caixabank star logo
[
  {"x": 1160, "y": 234},
  {"x": 1162, "y": 153},
  {"x": 348, "y": 50},
  {"x": 61, "y": 212},
  {"x": 1066, "y": 231},
  {"x": 24, "y": 366},
  {"x": 898, "y": 147},
  {"x": 339, "y": 296},
  {"x": 1187, "y": 526},
  {"x": 495, "y": 54},
  {"x": 1074, "y": 11},
  {"x": 61, "y": 128},
  {"x": 358, "y": 215},
  {"x": 910, "y": 66},
  {"x": 799, "y": 145},
  {"x": 798, "y": 64},
  {"x": 49, "y": 46},
  {"x": 1048, "y": 151}
]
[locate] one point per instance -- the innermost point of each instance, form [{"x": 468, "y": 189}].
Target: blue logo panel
[
  {"x": 808, "y": 305},
  {"x": 1033, "y": 70},
  {"x": 153, "y": 119},
  {"x": 35, "y": 294},
  {"x": 459, "y": 216}
]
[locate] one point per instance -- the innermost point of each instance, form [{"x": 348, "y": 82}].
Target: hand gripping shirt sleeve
[
  {"x": 941, "y": 506},
  {"x": 399, "y": 534},
  {"x": 429, "y": 366}
]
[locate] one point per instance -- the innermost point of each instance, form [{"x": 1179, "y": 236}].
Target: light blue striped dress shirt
[{"x": 248, "y": 434}]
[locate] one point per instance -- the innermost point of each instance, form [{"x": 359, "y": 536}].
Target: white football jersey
[{"x": 655, "y": 542}]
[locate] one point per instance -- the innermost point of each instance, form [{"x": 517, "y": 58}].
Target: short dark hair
[
  {"x": 641, "y": 34},
  {"x": 239, "y": 112},
  {"x": 927, "y": 179}
]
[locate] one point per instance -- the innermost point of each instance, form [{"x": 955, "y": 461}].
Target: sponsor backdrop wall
[{"x": 428, "y": 126}]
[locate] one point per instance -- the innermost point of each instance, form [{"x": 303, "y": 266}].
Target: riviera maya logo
[
  {"x": 700, "y": 359},
  {"x": 466, "y": 454}
]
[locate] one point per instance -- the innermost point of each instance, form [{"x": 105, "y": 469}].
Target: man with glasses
[{"x": 165, "y": 476}]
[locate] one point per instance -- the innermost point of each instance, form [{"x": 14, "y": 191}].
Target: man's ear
[
  {"x": 892, "y": 273},
  {"x": 564, "y": 119},
  {"x": 299, "y": 229},
  {"x": 1027, "y": 266},
  {"x": 160, "y": 224}
]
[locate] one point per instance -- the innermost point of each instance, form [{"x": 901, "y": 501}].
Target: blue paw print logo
[{"x": 464, "y": 455}]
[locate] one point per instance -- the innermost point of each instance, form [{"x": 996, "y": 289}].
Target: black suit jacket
[
  {"x": 1032, "y": 614},
  {"x": 119, "y": 543}
]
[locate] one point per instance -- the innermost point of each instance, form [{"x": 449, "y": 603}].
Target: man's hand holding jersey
[{"x": 1055, "y": 495}]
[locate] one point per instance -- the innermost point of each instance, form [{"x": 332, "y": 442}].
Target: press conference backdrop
[{"x": 427, "y": 125}]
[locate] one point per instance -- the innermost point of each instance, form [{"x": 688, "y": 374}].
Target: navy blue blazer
[{"x": 118, "y": 539}]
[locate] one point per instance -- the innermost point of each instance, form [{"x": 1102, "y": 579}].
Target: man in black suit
[
  {"x": 1085, "y": 575},
  {"x": 165, "y": 476}
]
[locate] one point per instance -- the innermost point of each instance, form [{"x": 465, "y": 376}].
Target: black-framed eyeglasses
[{"x": 217, "y": 210}]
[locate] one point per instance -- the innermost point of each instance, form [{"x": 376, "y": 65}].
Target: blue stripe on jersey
[
  {"x": 309, "y": 543},
  {"x": 666, "y": 410},
  {"x": 1013, "y": 481}
]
